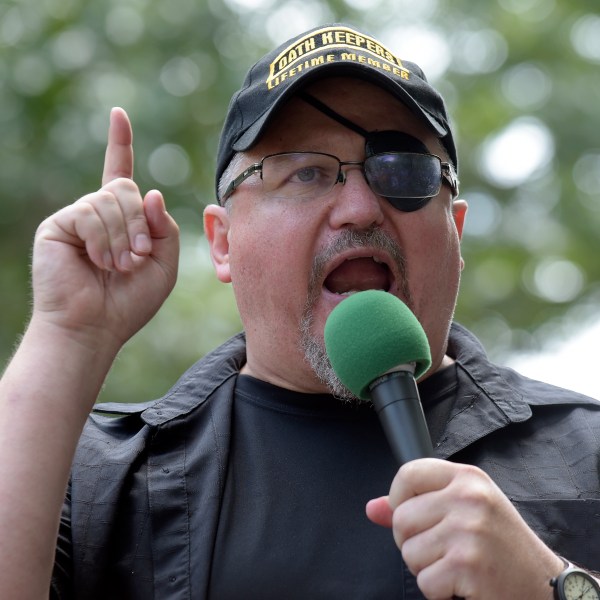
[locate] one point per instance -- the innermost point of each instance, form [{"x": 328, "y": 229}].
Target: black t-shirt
[{"x": 301, "y": 469}]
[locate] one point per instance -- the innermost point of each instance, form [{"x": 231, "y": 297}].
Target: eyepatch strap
[{"x": 332, "y": 114}]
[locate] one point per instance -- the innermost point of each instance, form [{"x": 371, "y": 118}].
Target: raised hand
[
  {"x": 460, "y": 535},
  {"x": 101, "y": 269},
  {"x": 103, "y": 265}
]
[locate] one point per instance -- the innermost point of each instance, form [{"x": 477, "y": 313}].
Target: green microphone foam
[{"x": 370, "y": 333}]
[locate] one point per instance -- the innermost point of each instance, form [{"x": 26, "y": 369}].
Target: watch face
[{"x": 580, "y": 586}]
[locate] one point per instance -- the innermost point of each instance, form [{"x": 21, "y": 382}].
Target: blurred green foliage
[{"x": 520, "y": 77}]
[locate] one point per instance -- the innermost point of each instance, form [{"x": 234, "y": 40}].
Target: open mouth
[{"x": 359, "y": 274}]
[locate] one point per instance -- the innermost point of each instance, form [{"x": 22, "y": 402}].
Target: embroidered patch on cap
[{"x": 333, "y": 44}]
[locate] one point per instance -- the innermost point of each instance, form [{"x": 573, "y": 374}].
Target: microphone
[{"x": 378, "y": 349}]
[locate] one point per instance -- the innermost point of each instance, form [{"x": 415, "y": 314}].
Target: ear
[
  {"x": 459, "y": 212},
  {"x": 216, "y": 229}
]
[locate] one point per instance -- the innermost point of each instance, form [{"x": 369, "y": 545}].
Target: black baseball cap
[{"x": 326, "y": 51}]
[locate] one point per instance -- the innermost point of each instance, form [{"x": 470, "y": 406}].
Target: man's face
[{"x": 292, "y": 261}]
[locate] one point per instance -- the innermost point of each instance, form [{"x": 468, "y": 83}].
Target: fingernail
[{"x": 142, "y": 243}]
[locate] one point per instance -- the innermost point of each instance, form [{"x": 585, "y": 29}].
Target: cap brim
[{"x": 254, "y": 132}]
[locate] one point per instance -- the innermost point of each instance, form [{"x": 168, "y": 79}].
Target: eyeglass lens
[
  {"x": 396, "y": 175},
  {"x": 299, "y": 174}
]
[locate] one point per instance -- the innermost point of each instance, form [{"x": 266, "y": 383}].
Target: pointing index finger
[{"x": 118, "y": 160}]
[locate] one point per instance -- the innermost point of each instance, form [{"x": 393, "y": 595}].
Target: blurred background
[{"x": 522, "y": 81}]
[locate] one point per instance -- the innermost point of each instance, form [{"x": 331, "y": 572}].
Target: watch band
[
  {"x": 554, "y": 580},
  {"x": 566, "y": 591}
]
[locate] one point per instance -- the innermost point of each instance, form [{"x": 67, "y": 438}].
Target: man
[{"x": 336, "y": 173}]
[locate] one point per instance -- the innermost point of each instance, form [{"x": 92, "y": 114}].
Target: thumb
[
  {"x": 161, "y": 223},
  {"x": 163, "y": 228},
  {"x": 379, "y": 511}
]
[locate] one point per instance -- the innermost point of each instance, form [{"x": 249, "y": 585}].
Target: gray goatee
[{"x": 312, "y": 345}]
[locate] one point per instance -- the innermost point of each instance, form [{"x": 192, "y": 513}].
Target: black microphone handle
[{"x": 396, "y": 399}]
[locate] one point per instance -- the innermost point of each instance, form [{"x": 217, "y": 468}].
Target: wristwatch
[{"x": 575, "y": 584}]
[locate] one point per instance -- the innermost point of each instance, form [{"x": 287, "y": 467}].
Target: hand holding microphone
[{"x": 459, "y": 534}]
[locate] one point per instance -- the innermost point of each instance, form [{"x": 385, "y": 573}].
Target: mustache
[{"x": 351, "y": 239}]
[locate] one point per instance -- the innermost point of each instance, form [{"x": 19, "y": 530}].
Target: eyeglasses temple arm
[
  {"x": 449, "y": 174},
  {"x": 239, "y": 179}
]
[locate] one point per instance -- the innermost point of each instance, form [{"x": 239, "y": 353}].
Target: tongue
[{"x": 358, "y": 275}]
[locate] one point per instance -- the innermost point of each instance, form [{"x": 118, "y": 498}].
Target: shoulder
[
  {"x": 124, "y": 427},
  {"x": 506, "y": 383}
]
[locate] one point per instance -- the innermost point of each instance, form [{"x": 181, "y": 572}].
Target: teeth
[
  {"x": 377, "y": 260},
  {"x": 350, "y": 292}
]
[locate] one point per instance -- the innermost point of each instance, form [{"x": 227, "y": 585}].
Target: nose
[{"x": 354, "y": 205}]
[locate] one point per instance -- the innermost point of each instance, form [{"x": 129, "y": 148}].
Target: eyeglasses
[{"x": 406, "y": 179}]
